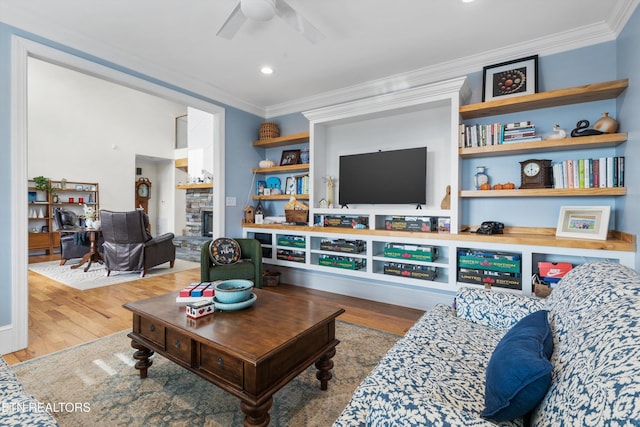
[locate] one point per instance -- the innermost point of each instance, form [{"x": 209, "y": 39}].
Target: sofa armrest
[{"x": 498, "y": 310}]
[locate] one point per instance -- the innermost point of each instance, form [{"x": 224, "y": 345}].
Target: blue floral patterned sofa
[
  {"x": 436, "y": 375},
  {"x": 17, "y": 408}
]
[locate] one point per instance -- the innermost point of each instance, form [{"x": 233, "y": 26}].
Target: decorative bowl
[{"x": 233, "y": 291}]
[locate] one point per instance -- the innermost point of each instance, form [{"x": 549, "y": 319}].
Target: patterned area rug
[
  {"x": 97, "y": 275},
  {"x": 95, "y": 384}
]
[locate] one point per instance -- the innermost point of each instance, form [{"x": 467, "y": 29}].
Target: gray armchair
[
  {"x": 128, "y": 246},
  {"x": 70, "y": 245}
]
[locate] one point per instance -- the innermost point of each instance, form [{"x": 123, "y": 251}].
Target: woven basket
[
  {"x": 269, "y": 130},
  {"x": 296, "y": 215},
  {"x": 271, "y": 278}
]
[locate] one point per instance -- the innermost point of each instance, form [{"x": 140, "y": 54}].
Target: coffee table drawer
[
  {"x": 152, "y": 331},
  {"x": 179, "y": 345},
  {"x": 221, "y": 365}
]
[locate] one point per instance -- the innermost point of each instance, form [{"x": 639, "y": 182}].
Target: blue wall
[{"x": 628, "y": 65}]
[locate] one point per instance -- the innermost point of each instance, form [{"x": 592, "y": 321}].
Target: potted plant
[{"x": 44, "y": 184}]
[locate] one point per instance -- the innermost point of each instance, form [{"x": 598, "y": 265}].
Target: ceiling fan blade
[
  {"x": 232, "y": 24},
  {"x": 298, "y": 22}
]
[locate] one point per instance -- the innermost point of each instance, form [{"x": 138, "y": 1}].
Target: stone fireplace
[
  {"x": 199, "y": 224},
  {"x": 199, "y": 207}
]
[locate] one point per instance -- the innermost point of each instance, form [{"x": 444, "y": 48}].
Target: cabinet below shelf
[{"x": 547, "y": 192}]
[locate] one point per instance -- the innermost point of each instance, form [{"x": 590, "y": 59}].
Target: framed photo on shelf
[
  {"x": 584, "y": 222},
  {"x": 290, "y": 157},
  {"x": 260, "y": 186},
  {"x": 509, "y": 79}
]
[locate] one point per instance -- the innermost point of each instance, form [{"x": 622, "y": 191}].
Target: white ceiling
[{"x": 370, "y": 46}]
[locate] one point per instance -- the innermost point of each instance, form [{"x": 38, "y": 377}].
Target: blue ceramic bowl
[{"x": 233, "y": 291}]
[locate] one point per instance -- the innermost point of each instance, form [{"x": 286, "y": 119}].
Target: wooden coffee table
[{"x": 250, "y": 353}]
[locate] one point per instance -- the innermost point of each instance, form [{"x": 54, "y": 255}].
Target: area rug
[
  {"x": 96, "y": 384},
  {"x": 97, "y": 275}
]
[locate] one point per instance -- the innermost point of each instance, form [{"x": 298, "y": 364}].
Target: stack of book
[
  {"x": 605, "y": 172},
  {"x": 496, "y": 134},
  {"x": 519, "y": 132}
]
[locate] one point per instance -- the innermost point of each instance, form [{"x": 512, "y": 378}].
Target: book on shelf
[
  {"x": 604, "y": 172},
  {"x": 477, "y": 135}
]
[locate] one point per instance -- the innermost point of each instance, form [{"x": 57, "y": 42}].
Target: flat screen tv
[{"x": 384, "y": 177}]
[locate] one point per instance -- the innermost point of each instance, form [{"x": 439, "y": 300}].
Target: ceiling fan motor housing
[{"x": 259, "y": 10}]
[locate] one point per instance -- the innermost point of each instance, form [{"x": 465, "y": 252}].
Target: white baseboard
[
  {"x": 386, "y": 292},
  {"x": 6, "y": 339}
]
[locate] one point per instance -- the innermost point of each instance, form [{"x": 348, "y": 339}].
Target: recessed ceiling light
[
  {"x": 468, "y": 1},
  {"x": 266, "y": 70}
]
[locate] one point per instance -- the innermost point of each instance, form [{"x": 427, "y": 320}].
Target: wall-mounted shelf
[
  {"x": 282, "y": 141},
  {"x": 282, "y": 197},
  {"x": 283, "y": 169},
  {"x": 583, "y": 142},
  {"x": 182, "y": 164},
  {"x": 552, "y": 98},
  {"x": 547, "y": 192}
]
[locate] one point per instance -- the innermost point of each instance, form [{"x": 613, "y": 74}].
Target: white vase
[{"x": 88, "y": 223}]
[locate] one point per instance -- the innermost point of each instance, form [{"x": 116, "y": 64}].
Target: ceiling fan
[{"x": 264, "y": 10}]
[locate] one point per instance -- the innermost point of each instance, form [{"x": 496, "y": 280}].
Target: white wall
[{"x": 87, "y": 129}]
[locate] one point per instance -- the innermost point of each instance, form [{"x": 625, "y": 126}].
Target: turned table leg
[
  {"x": 257, "y": 416},
  {"x": 142, "y": 356},
  {"x": 324, "y": 365}
]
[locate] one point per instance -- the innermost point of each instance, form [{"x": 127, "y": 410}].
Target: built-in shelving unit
[
  {"x": 300, "y": 168},
  {"x": 350, "y": 128}
]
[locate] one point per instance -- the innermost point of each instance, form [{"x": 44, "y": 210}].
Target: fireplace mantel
[{"x": 192, "y": 186}]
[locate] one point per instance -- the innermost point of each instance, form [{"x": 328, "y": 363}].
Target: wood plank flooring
[{"x": 61, "y": 317}]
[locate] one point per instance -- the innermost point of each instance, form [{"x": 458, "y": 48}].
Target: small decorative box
[{"x": 199, "y": 309}]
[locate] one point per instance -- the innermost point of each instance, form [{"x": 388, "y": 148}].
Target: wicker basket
[
  {"x": 296, "y": 215},
  {"x": 269, "y": 130},
  {"x": 271, "y": 278}
]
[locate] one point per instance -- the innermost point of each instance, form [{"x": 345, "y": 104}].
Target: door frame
[{"x": 15, "y": 337}]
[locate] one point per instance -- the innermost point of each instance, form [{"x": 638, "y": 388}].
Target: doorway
[{"x": 22, "y": 49}]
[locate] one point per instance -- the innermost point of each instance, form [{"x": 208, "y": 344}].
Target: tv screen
[{"x": 384, "y": 177}]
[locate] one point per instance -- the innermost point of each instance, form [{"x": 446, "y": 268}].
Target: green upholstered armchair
[{"x": 249, "y": 267}]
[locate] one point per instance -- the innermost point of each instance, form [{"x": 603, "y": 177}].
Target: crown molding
[
  {"x": 48, "y": 33},
  {"x": 115, "y": 58},
  {"x": 560, "y": 42},
  {"x": 396, "y": 100}
]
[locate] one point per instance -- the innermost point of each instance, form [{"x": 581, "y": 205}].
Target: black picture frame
[
  {"x": 290, "y": 157},
  {"x": 511, "y": 78}
]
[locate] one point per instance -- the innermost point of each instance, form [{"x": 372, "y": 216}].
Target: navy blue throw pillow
[{"x": 519, "y": 371}]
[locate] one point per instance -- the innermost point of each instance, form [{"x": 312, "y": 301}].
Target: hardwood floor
[{"x": 61, "y": 317}]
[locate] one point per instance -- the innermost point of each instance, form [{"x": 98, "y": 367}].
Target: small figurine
[
  {"x": 559, "y": 133},
  {"x": 582, "y": 129}
]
